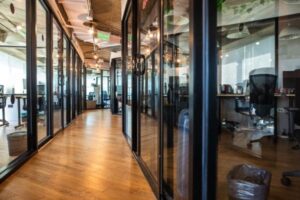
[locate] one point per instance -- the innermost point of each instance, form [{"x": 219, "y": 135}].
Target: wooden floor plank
[{"x": 89, "y": 160}]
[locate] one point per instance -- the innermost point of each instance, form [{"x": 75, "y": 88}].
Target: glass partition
[
  {"x": 176, "y": 66},
  {"x": 13, "y": 82},
  {"x": 72, "y": 63},
  {"x": 129, "y": 78},
  {"x": 258, "y": 95},
  {"x": 65, "y": 79},
  {"x": 41, "y": 72},
  {"x": 148, "y": 45},
  {"x": 57, "y": 77}
]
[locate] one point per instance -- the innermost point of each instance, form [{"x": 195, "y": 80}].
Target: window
[
  {"x": 41, "y": 72},
  {"x": 57, "y": 77},
  {"x": 258, "y": 77},
  {"x": 13, "y": 82}
]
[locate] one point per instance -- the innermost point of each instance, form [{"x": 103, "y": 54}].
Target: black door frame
[{"x": 202, "y": 96}]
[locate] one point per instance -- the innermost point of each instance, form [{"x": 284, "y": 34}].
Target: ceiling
[{"x": 97, "y": 26}]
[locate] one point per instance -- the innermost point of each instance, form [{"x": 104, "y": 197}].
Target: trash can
[
  {"x": 17, "y": 143},
  {"x": 246, "y": 182}
]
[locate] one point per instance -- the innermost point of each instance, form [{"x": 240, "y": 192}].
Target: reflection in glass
[
  {"x": 258, "y": 77},
  {"x": 128, "y": 94},
  {"x": 175, "y": 98},
  {"x": 65, "y": 80},
  {"x": 13, "y": 82},
  {"x": 41, "y": 72},
  {"x": 149, "y": 123},
  {"x": 118, "y": 74},
  {"x": 57, "y": 78},
  {"x": 72, "y": 63}
]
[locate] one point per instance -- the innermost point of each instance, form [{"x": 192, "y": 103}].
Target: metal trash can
[
  {"x": 246, "y": 182},
  {"x": 17, "y": 143}
]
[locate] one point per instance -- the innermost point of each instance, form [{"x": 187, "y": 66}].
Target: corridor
[{"x": 88, "y": 160}]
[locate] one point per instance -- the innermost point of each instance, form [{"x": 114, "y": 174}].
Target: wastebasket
[
  {"x": 246, "y": 182},
  {"x": 17, "y": 143}
]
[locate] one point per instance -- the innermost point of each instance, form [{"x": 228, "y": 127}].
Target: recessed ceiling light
[{"x": 257, "y": 43}]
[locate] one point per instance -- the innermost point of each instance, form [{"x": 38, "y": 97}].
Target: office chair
[
  {"x": 2, "y": 106},
  {"x": 262, "y": 101},
  {"x": 296, "y": 134}
]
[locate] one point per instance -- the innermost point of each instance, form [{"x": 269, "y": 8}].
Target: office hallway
[{"x": 89, "y": 160}]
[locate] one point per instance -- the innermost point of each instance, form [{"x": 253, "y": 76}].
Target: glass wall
[
  {"x": 13, "y": 82},
  {"x": 72, "y": 63},
  {"x": 118, "y": 77},
  {"x": 57, "y": 77},
  {"x": 65, "y": 79},
  {"x": 41, "y": 72},
  {"x": 105, "y": 89},
  {"x": 258, "y": 76},
  {"x": 175, "y": 98},
  {"x": 128, "y": 77}
]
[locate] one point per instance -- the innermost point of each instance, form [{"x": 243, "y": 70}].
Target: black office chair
[
  {"x": 3, "y": 105},
  {"x": 262, "y": 102},
  {"x": 296, "y": 135}
]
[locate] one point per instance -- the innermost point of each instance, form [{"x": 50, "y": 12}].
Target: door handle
[{"x": 139, "y": 65}]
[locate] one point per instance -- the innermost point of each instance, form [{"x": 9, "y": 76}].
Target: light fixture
[
  {"x": 95, "y": 56},
  {"x": 18, "y": 27},
  {"x": 175, "y": 19},
  {"x": 289, "y": 33},
  {"x": 90, "y": 18},
  {"x": 257, "y": 43},
  {"x": 91, "y": 30},
  {"x": 238, "y": 32}
]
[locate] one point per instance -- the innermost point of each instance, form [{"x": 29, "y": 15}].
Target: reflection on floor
[
  {"x": 275, "y": 157},
  {"x": 89, "y": 160}
]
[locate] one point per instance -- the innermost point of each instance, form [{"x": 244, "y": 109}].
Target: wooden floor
[{"x": 89, "y": 160}]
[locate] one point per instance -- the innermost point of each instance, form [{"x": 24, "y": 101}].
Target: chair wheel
[{"x": 286, "y": 181}]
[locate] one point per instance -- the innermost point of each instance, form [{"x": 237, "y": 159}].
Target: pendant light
[
  {"x": 239, "y": 32},
  {"x": 289, "y": 33}
]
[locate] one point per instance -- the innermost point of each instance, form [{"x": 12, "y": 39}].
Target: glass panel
[
  {"x": 13, "y": 80},
  {"x": 41, "y": 72},
  {"x": 258, "y": 77},
  {"x": 65, "y": 81},
  {"x": 175, "y": 98},
  {"x": 57, "y": 78},
  {"x": 75, "y": 71},
  {"x": 106, "y": 89},
  {"x": 71, "y": 81},
  {"x": 119, "y": 84},
  {"x": 128, "y": 111},
  {"x": 149, "y": 34}
]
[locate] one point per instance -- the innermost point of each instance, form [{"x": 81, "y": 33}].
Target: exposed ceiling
[{"x": 97, "y": 26}]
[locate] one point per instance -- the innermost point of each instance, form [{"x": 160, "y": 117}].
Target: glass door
[
  {"x": 128, "y": 78},
  {"x": 57, "y": 77},
  {"x": 149, "y": 124},
  {"x": 176, "y": 120}
]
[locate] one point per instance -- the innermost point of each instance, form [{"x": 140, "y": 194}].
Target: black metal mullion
[
  {"x": 31, "y": 75},
  {"x": 202, "y": 93}
]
